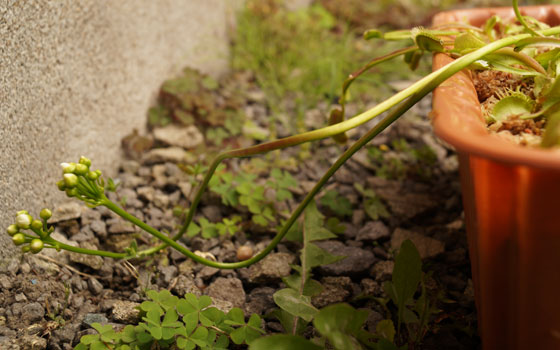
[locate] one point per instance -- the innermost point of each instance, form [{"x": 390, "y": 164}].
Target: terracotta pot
[{"x": 511, "y": 197}]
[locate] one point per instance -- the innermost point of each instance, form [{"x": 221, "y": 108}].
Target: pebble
[
  {"x": 260, "y": 301},
  {"x": 357, "y": 261},
  {"x": 184, "y": 137},
  {"x": 124, "y": 311},
  {"x": 94, "y": 286},
  {"x": 67, "y": 211},
  {"x": 383, "y": 270},
  {"x": 91, "y": 318},
  {"x": 229, "y": 289},
  {"x": 373, "y": 231},
  {"x": 335, "y": 290},
  {"x": 170, "y": 154},
  {"x": 93, "y": 261},
  {"x": 32, "y": 312},
  {"x": 184, "y": 285},
  {"x": 99, "y": 227},
  {"x": 32, "y": 342},
  {"x": 427, "y": 246},
  {"x": 272, "y": 268},
  {"x": 168, "y": 273}
]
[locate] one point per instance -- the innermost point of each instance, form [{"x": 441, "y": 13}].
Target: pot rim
[{"x": 456, "y": 113}]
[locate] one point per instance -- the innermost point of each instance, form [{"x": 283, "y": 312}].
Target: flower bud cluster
[
  {"x": 28, "y": 241},
  {"x": 81, "y": 182}
]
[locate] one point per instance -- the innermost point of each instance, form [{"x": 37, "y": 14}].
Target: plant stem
[{"x": 412, "y": 95}]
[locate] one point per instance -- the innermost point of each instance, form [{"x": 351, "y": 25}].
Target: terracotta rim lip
[{"x": 457, "y": 118}]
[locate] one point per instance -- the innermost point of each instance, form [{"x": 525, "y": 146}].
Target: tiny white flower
[{"x": 23, "y": 220}]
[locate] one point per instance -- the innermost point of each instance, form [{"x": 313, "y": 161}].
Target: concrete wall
[{"x": 76, "y": 76}]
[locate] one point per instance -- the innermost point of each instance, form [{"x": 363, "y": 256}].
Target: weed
[{"x": 170, "y": 322}]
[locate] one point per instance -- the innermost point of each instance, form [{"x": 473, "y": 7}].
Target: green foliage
[
  {"x": 294, "y": 53},
  {"x": 373, "y": 205},
  {"x": 170, "y": 322},
  {"x": 282, "y": 181},
  {"x": 404, "y": 161},
  {"x": 340, "y": 205},
  {"x": 296, "y": 299}
]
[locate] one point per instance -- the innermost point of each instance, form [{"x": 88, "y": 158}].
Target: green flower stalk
[{"x": 89, "y": 186}]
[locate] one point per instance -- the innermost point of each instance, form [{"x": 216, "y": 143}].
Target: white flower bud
[
  {"x": 67, "y": 167},
  {"x": 23, "y": 220},
  {"x": 70, "y": 180},
  {"x": 81, "y": 169}
]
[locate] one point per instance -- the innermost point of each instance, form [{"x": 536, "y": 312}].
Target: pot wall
[{"x": 511, "y": 197}]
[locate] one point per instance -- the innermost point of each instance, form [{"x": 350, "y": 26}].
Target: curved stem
[
  {"x": 522, "y": 20},
  {"x": 374, "y": 62},
  {"x": 415, "y": 92},
  {"x": 59, "y": 245}
]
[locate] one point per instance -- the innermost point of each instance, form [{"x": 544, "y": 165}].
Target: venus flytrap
[{"x": 473, "y": 48}]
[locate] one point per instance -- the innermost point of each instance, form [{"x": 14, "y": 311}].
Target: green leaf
[
  {"x": 193, "y": 230},
  {"x": 426, "y": 41},
  {"x": 514, "y": 104},
  {"x": 384, "y": 344},
  {"x": 311, "y": 288},
  {"x": 340, "y": 323},
  {"x": 407, "y": 274},
  {"x": 297, "y": 305},
  {"x": 340, "y": 205},
  {"x": 373, "y": 34},
  {"x": 386, "y": 329},
  {"x": 236, "y": 315},
  {"x": 283, "y": 342},
  {"x": 551, "y": 135},
  {"x": 467, "y": 42},
  {"x": 315, "y": 256},
  {"x": 287, "y": 321},
  {"x": 238, "y": 335}
]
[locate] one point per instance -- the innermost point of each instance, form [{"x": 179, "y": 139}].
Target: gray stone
[
  {"x": 91, "y": 318},
  {"x": 99, "y": 227},
  {"x": 126, "y": 312},
  {"x": 184, "y": 137},
  {"x": 222, "y": 305},
  {"x": 90, "y": 215},
  {"x": 119, "y": 226},
  {"x": 67, "y": 211},
  {"x": 383, "y": 270},
  {"x": 146, "y": 193},
  {"x": 130, "y": 166},
  {"x": 161, "y": 200},
  {"x": 93, "y": 261},
  {"x": 370, "y": 287},
  {"x": 32, "y": 342},
  {"x": 229, "y": 289},
  {"x": 32, "y": 312},
  {"x": 427, "y": 247},
  {"x": 186, "y": 188},
  {"x": 335, "y": 290},
  {"x": 64, "y": 334},
  {"x": 206, "y": 272},
  {"x": 373, "y": 231},
  {"x": 403, "y": 202},
  {"x": 272, "y": 268},
  {"x": 260, "y": 300},
  {"x": 168, "y": 273},
  {"x": 5, "y": 282},
  {"x": 183, "y": 285},
  {"x": 357, "y": 260},
  {"x": 170, "y": 154},
  {"x": 212, "y": 212},
  {"x": 94, "y": 286}
]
